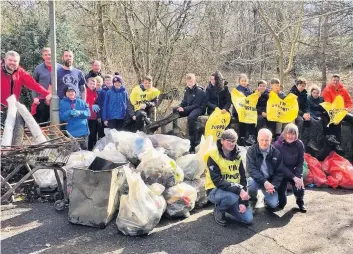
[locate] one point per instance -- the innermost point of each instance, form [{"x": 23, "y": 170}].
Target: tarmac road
[{"x": 326, "y": 228}]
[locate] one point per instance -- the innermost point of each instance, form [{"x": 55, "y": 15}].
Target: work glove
[
  {"x": 96, "y": 108},
  {"x": 75, "y": 113}
]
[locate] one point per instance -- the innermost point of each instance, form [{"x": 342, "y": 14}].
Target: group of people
[
  {"x": 90, "y": 103},
  {"x": 233, "y": 187},
  {"x": 93, "y": 102}
]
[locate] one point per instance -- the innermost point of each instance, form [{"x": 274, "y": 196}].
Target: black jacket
[
  {"x": 262, "y": 102},
  {"x": 274, "y": 163},
  {"x": 302, "y": 100},
  {"x": 316, "y": 110},
  {"x": 218, "y": 180},
  {"x": 92, "y": 74},
  {"x": 217, "y": 98},
  {"x": 193, "y": 98}
]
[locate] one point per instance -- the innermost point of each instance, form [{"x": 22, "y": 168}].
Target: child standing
[
  {"x": 75, "y": 112},
  {"x": 107, "y": 84},
  {"x": 273, "y": 126},
  {"x": 91, "y": 100},
  {"x": 246, "y": 130},
  {"x": 115, "y": 105}
]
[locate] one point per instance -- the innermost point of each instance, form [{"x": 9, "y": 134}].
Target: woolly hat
[{"x": 118, "y": 79}]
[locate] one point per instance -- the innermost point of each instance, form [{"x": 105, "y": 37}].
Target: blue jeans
[
  {"x": 229, "y": 202},
  {"x": 270, "y": 199}
]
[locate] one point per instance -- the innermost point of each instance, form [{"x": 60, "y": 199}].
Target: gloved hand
[
  {"x": 96, "y": 108},
  {"x": 75, "y": 113}
]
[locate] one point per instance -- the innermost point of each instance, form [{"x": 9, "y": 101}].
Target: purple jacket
[{"x": 293, "y": 157}]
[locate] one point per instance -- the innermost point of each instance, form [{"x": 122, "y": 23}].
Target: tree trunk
[
  {"x": 323, "y": 46},
  {"x": 102, "y": 51}
]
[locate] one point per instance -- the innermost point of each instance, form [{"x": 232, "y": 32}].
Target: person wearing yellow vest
[
  {"x": 226, "y": 181},
  {"x": 143, "y": 99}
]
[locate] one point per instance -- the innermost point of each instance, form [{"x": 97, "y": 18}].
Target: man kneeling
[
  {"x": 264, "y": 168},
  {"x": 226, "y": 181}
]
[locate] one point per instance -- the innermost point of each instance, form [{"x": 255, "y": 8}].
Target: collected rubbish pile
[
  {"x": 33, "y": 157},
  {"x": 142, "y": 176},
  {"x": 335, "y": 171}
]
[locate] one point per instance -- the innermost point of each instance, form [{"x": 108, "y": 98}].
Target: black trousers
[
  {"x": 83, "y": 142},
  {"x": 141, "y": 116},
  {"x": 262, "y": 122},
  {"x": 192, "y": 118},
  {"x": 101, "y": 130},
  {"x": 116, "y": 124},
  {"x": 282, "y": 193},
  {"x": 334, "y": 129},
  {"x": 43, "y": 112},
  {"x": 93, "y": 131},
  {"x": 246, "y": 129}
]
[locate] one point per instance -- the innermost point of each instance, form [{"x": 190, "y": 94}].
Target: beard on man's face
[{"x": 67, "y": 63}]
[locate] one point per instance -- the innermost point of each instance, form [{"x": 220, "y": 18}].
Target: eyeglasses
[{"x": 230, "y": 141}]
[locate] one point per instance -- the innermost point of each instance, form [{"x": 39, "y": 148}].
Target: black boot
[
  {"x": 313, "y": 146},
  {"x": 250, "y": 140},
  {"x": 219, "y": 217},
  {"x": 302, "y": 208},
  {"x": 332, "y": 139}
]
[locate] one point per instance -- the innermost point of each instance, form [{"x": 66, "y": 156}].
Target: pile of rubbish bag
[
  {"x": 148, "y": 176},
  {"x": 335, "y": 171}
]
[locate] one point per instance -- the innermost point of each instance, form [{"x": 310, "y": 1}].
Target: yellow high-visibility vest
[
  {"x": 139, "y": 97},
  {"x": 229, "y": 168}
]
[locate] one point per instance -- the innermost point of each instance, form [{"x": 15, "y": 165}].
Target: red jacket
[
  {"x": 16, "y": 80},
  {"x": 91, "y": 98},
  {"x": 330, "y": 94}
]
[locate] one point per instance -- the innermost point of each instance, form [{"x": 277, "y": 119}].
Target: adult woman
[
  {"x": 292, "y": 151},
  {"x": 226, "y": 180},
  {"x": 217, "y": 94}
]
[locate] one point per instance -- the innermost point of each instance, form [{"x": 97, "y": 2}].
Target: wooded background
[{"x": 168, "y": 39}]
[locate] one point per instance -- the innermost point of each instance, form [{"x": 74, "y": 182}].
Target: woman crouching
[
  {"x": 292, "y": 151},
  {"x": 226, "y": 181}
]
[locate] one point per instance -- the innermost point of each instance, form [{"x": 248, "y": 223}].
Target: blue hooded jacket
[
  {"x": 100, "y": 100},
  {"x": 115, "y": 104},
  {"x": 76, "y": 126}
]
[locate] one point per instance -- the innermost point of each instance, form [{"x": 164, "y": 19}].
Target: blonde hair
[
  {"x": 244, "y": 76},
  {"x": 291, "y": 128},
  {"x": 98, "y": 79}
]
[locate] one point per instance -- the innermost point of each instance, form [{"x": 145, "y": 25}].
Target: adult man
[
  {"x": 336, "y": 87},
  {"x": 95, "y": 69},
  {"x": 70, "y": 76},
  {"x": 264, "y": 168},
  {"x": 13, "y": 77},
  {"x": 144, "y": 99},
  {"x": 42, "y": 75},
  {"x": 226, "y": 181}
]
